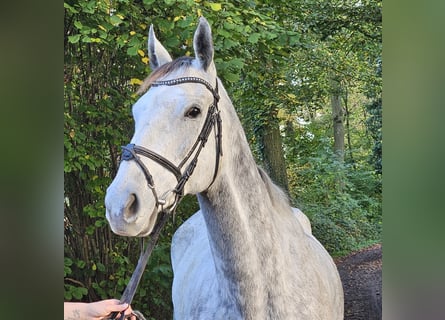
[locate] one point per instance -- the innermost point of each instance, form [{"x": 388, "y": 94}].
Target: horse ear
[
  {"x": 203, "y": 44},
  {"x": 157, "y": 54}
]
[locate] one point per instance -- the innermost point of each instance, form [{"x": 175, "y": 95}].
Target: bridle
[
  {"x": 213, "y": 120},
  {"x": 133, "y": 152}
]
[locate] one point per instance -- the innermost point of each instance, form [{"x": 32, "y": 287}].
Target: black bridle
[
  {"x": 213, "y": 120},
  {"x": 133, "y": 152}
]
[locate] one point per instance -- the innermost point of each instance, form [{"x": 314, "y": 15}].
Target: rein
[{"x": 133, "y": 152}]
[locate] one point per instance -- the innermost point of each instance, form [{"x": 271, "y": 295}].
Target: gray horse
[{"x": 246, "y": 254}]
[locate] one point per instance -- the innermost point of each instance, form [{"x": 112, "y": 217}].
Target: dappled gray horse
[{"x": 246, "y": 254}]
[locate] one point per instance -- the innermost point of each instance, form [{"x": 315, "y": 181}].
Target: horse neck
[{"x": 242, "y": 225}]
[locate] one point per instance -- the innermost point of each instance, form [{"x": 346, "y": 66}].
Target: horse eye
[{"x": 193, "y": 112}]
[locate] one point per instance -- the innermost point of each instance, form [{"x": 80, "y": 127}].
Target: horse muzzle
[{"x": 129, "y": 213}]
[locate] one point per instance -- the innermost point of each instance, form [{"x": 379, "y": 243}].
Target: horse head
[{"x": 176, "y": 144}]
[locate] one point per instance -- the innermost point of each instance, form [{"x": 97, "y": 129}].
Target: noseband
[{"x": 213, "y": 120}]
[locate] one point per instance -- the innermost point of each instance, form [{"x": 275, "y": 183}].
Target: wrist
[{"x": 74, "y": 310}]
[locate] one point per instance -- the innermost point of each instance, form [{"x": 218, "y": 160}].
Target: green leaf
[
  {"x": 229, "y": 26},
  {"x": 74, "y": 39},
  {"x": 78, "y": 293},
  {"x": 253, "y": 38},
  {"x": 132, "y": 51},
  {"x": 78, "y": 25},
  {"x": 89, "y": 7},
  {"x": 237, "y": 63},
  {"x": 229, "y": 43},
  {"x": 215, "y": 6},
  {"x": 87, "y": 39},
  {"x": 68, "y": 261},
  {"x": 223, "y": 33},
  {"x": 90, "y": 230},
  {"x": 100, "y": 267},
  {"x": 270, "y": 35},
  {"x": 70, "y": 8},
  {"x": 294, "y": 39},
  {"x": 66, "y": 271},
  {"x": 115, "y": 20},
  {"x": 98, "y": 223},
  {"x": 81, "y": 264},
  {"x": 231, "y": 77},
  {"x": 67, "y": 295},
  {"x": 134, "y": 41}
]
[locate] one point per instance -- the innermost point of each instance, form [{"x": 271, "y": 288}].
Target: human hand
[{"x": 102, "y": 309}]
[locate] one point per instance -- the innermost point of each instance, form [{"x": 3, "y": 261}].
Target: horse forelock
[{"x": 164, "y": 70}]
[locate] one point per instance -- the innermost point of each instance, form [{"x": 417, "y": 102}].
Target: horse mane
[
  {"x": 277, "y": 196},
  {"x": 164, "y": 70}
]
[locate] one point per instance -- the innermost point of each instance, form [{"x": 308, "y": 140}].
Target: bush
[{"x": 342, "y": 200}]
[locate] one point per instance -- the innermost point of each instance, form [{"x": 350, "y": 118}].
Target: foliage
[
  {"x": 343, "y": 215},
  {"x": 275, "y": 62}
]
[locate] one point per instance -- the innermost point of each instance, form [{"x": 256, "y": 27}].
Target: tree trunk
[
  {"x": 348, "y": 129},
  {"x": 338, "y": 118},
  {"x": 273, "y": 155}
]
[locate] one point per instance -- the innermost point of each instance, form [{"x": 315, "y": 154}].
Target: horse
[{"x": 246, "y": 254}]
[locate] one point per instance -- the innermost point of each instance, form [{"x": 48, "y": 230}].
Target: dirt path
[{"x": 361, "y": 274}]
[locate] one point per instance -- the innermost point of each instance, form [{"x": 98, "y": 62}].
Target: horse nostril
[{"x": 131, "y": 207}]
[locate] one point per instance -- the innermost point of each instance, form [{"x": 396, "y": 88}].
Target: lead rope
[{"x": 130, "y": 290}]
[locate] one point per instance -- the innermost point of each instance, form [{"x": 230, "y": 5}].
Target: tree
[
  {"x": 345, "y": 41},
  {"x": 333, "y": 73},
  {"x": 337, "y": 119},
  {"x": 374, "y": 120}
]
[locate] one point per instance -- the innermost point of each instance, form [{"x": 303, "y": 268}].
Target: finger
[
  {"x": 132, "y": 316},
  {"x": 119, "y": 307},
  {"x": 129, "y": 316},
  {"x": 113, "y": 315},
  {"x": 128, "y": 311}
]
